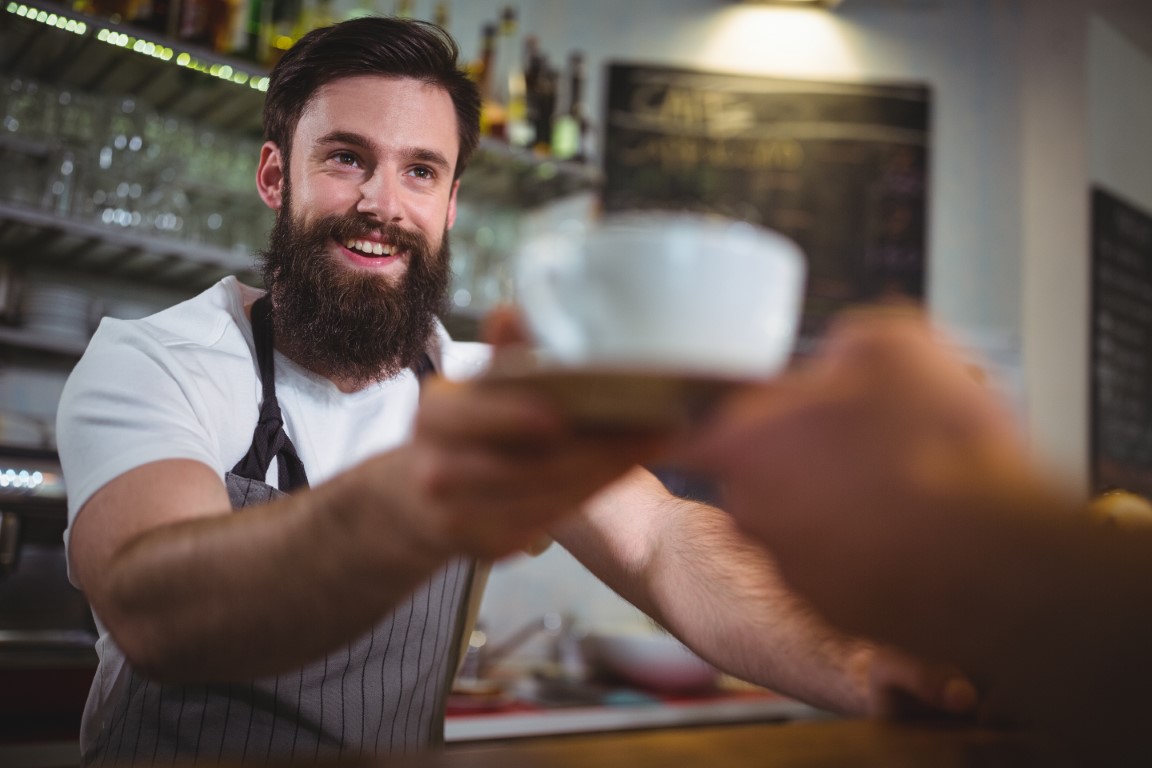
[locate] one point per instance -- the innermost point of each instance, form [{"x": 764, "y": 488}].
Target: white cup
[{"x": 663, "y": 293}]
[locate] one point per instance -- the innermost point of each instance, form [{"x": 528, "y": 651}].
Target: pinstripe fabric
[{"x": 384, "y": 692}]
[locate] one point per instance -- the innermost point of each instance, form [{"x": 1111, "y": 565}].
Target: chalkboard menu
[
  {"x": 841, "y": 168},
  {"x": 1121, "y": 345}
]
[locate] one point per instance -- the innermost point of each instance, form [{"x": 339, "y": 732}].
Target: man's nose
[{"x": 380, "y": 196}]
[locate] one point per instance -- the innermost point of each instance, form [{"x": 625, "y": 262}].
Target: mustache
[{"x": 352, "y": 227}]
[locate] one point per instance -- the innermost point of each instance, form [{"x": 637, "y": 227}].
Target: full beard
[{"x": 351, "y": 324}]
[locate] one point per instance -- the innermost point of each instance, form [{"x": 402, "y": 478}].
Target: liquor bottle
[
  {"x": 225, "y": 18},
  {"x": 236, "y": 41},
  {"x": 208, "y": 23},
  {"x": 259, "y": 29},
  {"x": 161, "y": 16},
  {"x": 510, "y": 90},
  {"x": 442, "y": 14},
  {"x": 134, "y": 12},
  {"x": 492, "y": 117},
  {"x": 193, "y": 26},
  {"x": 571, "y": 133},
  {"x": 403, "y": 9},
  {"x": 540, "y": 83},
  {"x": 284, "y": 19}
]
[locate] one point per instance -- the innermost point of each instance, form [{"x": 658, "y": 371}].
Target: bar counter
[{"x": 813, "y": 744}]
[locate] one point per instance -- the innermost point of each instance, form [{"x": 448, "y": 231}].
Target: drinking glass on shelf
[
  {"x": 166, "y": 207},
  {"x": 181, "y": 140},
  {"x": 79, "y": 116},
  {"x": 155, "y": 153},
  {"x": 209, "y": 217},
  {"x": 118, "y": 173},
  {"x": 240, "y": 175},
  {"x": 21, "y": 176},
  {"x": 203, "y": 165},
  {"x": 60, "y": 189},
  {"x": 29, "y": 109}
]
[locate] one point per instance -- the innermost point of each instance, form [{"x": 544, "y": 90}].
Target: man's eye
[
  {"x": 345, "y": 158},
  {"x": 421, "y": 172}
]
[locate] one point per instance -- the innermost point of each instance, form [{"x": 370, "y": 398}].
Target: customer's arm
[{"x": 899, "y": 497}]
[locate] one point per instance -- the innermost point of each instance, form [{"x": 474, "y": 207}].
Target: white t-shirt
[{"x": 183, "y": 384}]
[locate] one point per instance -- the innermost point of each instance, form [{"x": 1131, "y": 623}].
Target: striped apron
[{"x": 384, "y": 692}]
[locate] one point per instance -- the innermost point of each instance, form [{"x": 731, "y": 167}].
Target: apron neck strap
[{"x": 269, "y": 440}]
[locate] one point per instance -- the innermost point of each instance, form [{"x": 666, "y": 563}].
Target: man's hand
[
  {"x": 848, "y": 467},
  {"x": 491, "y": 467},
  {"x": 899, "y": 686}
]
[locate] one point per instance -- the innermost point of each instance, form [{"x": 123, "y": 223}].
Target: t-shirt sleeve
[{"x": 127, "y": 403}]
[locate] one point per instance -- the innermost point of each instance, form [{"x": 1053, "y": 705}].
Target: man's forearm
[
  {"x": 262, "y": 589},
  {"x": 721, "y": 594},
  {"x": 689, "y": 568}
]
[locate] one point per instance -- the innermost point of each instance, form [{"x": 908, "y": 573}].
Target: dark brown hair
[{"x": 370, "y": 45}]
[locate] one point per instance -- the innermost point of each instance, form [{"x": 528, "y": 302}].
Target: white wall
[
  {"x": 1086, "y": 119},
  {"x": 1054, "y": 177},
  {"x": 1119, "y": 114}
]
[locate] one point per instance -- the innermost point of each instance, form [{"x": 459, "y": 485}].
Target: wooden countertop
[{"x": 815, "y": 744}]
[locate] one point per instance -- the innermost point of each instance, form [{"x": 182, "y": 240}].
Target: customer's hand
[{"x": 847, "y": 466}]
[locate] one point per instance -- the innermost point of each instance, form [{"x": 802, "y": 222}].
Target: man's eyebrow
[
  {"x": 347, "y": 137},
  {"x": 431, "y": 157}
]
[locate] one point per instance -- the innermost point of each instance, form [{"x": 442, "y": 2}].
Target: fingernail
[{"x": 959, "y": 695}]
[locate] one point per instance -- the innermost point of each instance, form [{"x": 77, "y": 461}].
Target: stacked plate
[{"x": 60, "y": 311}]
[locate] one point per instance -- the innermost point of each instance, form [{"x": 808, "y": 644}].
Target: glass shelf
[
  {"x": 100, "y": 60},
  {"x": 49, "y": 240},
  {"x": 501, "y": 175},
  {"x": 42, "y": 342}
]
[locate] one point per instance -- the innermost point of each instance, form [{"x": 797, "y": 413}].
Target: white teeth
[{"x": 367, "y": 246}]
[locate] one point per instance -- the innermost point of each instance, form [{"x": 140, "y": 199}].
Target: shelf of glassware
[
  {"x": 500, "y": 174},
  {"x": 49, "y": 233},
  {"x": 84, "y": 56},
  {"x": 47, "y": 41},
  {"x": 34, "y": 341}
]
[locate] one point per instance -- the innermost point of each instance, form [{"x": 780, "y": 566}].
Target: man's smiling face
[
  {"x": 382, "y": 147},
  {"x": 357, "y": 264}
]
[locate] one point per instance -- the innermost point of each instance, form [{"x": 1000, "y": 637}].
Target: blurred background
[{"x": 991, "y": 158}]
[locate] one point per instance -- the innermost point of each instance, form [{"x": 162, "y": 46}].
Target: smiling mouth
[{"x": 370, "y": 248}]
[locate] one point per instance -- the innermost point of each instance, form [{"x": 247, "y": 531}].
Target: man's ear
[{"x": 270, "y": 176}]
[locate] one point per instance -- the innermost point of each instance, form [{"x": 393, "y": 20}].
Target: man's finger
[
  {"x": 503, "y": 327},
  {"x": 903, "y": 687}
]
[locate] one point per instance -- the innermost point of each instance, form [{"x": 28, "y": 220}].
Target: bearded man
[{"x": 312, "y": 606}]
